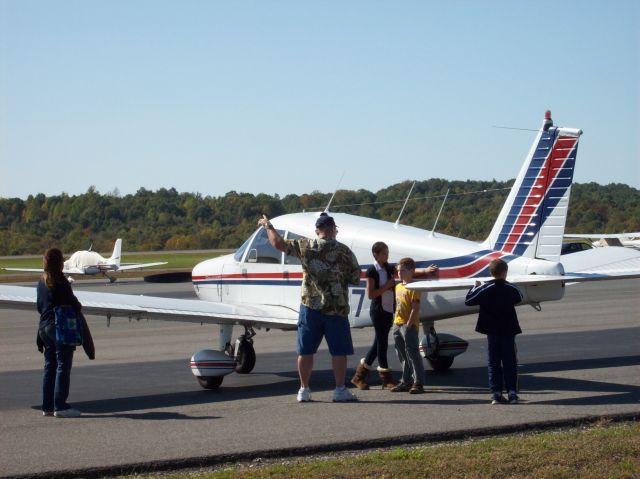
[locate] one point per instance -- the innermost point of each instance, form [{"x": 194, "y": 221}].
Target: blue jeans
[
  {"x": 57, "y": 371},
  {"x": 382, "y": 322},
  {"x": 503, "y": 367}
]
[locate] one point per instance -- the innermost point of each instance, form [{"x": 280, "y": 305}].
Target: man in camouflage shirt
[{"x": 329, "y": 267}]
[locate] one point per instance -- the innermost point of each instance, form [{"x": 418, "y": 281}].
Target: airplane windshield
[
  {"x": 261, "y": 250},
  {"x": 240, "y": 252}
]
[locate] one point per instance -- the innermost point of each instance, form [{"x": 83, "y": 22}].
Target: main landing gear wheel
[
  {"x": 246, "y": 357},
  {"x": 211, "y": 382},
  {"x": 436, "y": 361},
  {"x": 243, "y": 353}
]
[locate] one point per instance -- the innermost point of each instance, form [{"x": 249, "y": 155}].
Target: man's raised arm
[{"x": 274, "y": 238}]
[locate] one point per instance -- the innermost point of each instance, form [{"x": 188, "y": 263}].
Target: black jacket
[
  {"x": 497, "y": 300},
  {"x": 49, "y": 298}
]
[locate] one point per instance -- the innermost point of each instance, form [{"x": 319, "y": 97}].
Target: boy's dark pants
[{"x": 502, "y": 363}]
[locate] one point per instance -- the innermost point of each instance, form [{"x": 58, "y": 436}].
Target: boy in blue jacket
[{"x": 498, "y": 320}]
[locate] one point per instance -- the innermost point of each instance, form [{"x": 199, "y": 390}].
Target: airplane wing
[
  {"x": 75, "y": 270},
  {"x": 40, "y": 270},
  {"x": 125, "y": 267},
  {"x": 598, "y": 264},
  {"x": 26, "y": 270},
  {"x": 170, "y": 309}
]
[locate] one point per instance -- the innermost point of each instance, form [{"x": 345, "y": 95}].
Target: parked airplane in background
[
  {"x": 89, "y": 263},
  {"x": 258, "y": 287},
  {"x": 630, "y": 240}
]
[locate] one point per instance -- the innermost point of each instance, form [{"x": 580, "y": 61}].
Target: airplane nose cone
[{"x": 208, "y": 268}]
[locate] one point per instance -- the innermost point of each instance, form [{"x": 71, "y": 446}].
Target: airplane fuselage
[{"x": 259, "y": 274}]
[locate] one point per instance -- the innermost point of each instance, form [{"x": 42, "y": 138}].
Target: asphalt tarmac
[{"x": 142, "y": 408}]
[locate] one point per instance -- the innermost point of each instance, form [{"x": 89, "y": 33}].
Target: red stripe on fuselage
[
  {"x": 468, "y": 269},
  {"x": 560, "y": 151},
  {"x": 463, "y": 271},
  {"x": 444, "y": 272},
  {"x": 256, "y": 276}
]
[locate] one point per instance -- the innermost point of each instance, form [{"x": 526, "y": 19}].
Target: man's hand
[
  {"x": 432, "y": 270},
  {"x": 264, "y": 221},
  {"x": 274, "y": 238}
]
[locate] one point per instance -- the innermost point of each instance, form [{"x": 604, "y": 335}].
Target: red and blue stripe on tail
[{"x": 533, "y": 218}]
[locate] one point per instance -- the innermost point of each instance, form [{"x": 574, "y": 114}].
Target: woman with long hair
[{"x": 54, "y": 290}]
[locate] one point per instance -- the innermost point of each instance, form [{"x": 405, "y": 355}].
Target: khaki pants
[{"x": 407, "y": 348}]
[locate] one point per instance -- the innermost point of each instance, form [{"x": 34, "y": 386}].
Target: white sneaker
[
  {"x": 342, "y": 394},
  {"x": 47, "y": 413},
  {"x": 67, "y": 413},
  {"x": 304, "y": 395}
]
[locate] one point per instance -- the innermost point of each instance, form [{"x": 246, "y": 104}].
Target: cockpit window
[
  {"x": 240, "y": 252},
  {"x": 261, "y": 250},
  {"x": 292, "y": 259}
]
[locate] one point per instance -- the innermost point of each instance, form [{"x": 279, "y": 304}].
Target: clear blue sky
[{"x": 284, "y": 96}]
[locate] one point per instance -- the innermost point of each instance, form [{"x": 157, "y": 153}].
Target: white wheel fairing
[{"x": 211, "y": 363}]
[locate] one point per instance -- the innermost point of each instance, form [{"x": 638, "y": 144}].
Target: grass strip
[{"x": 604, "y": 451}]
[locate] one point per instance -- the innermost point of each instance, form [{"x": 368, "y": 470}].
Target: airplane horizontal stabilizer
[
  {"x": 169, "y": 309},
  {"x": 602, "y": 235},
  {"x": 585, "y": 266},
  {"x": 605, "y": 260}
]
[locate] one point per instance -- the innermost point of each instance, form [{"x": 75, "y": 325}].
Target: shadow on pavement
[{"x": 538, "y": 385}]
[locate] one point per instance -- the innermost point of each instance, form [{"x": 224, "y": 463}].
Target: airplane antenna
[
  {"x": 326, "y": 210},
  {"x": 438, "y": 217},
  {"x": 512, "y": 128},
  {"x": 403, "y": 206}
]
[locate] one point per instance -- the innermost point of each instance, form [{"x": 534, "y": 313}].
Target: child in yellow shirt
[{"x": 406, "y": 326}]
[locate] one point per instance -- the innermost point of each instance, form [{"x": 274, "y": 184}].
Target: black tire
[
  {"x": 210, "y": 382},
  {"x": 440, "y": 363},
  {"x": 246, "y": 359}
]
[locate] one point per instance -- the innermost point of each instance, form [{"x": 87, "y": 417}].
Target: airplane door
[
  {"x": 227, "y": 284},
  {"x": 261, "y": 273}
]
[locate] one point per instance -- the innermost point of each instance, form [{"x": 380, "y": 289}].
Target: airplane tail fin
[
  {"x": 533, "y": 218},
  {"x": 117, "y": 253}
]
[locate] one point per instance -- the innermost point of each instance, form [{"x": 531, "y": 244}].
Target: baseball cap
[{"x": 324, "y": 221}]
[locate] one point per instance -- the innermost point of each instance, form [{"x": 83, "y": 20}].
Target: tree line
[{"x": 168, "y": 220}]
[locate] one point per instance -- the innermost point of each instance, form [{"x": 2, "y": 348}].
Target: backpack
[{"x": 68, "y": 326}]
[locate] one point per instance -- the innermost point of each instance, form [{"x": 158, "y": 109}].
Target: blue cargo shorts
[{"x": 314, "y": 325}]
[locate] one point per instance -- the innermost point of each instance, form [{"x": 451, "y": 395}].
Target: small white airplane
[
  {"x": 89, "y": 263},
  {"x": 258, "y": 287},
  {"x": 629, "y": 240}
]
